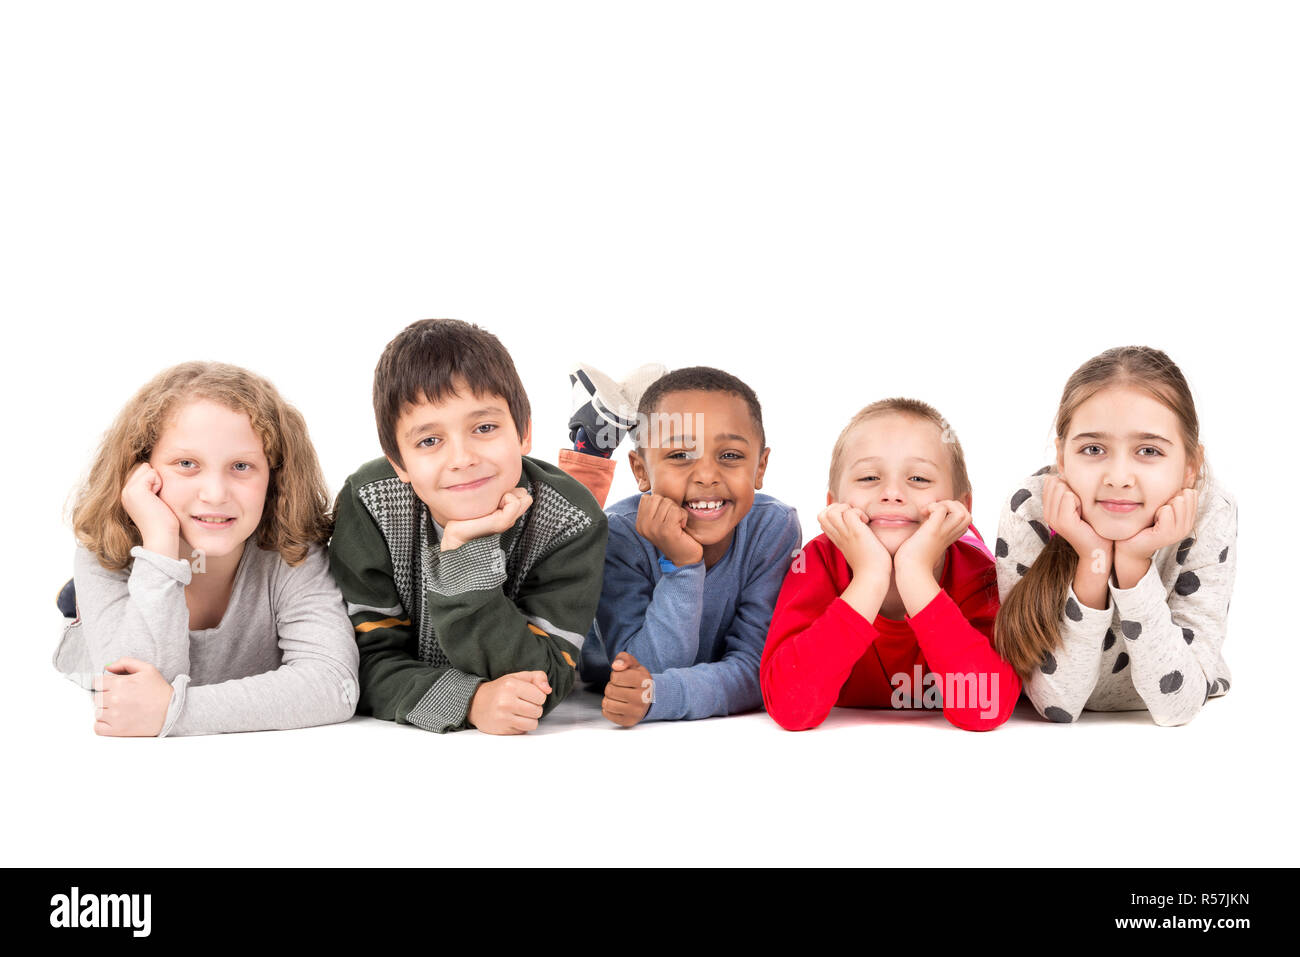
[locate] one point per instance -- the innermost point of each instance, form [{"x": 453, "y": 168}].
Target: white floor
[{"x": 869, "y": 787}]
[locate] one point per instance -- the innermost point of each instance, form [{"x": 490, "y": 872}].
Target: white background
[{"x": 837, "y": 202}]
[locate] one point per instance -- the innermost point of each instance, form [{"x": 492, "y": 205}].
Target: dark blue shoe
[{"x": 68, "y": 600}]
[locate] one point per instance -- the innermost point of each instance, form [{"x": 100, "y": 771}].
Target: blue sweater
[{"x": 700, "y": 633}]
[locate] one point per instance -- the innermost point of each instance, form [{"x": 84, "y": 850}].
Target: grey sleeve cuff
[
  {"x": 1081, "y": 619},
  {"x": 477, "y": 565},
  {"x": 176, "y": 705},
  {"x": 1145, "y": 600},
  {"x": 446, "y": 704},
  {"x": 174, "y": 568}
]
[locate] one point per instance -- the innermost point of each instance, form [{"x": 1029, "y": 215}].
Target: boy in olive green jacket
[{"x": 472, "y": 572}]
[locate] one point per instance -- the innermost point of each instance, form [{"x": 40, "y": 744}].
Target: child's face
[
  {"x": 214, "y": 476},
  {"x": 894, "y": 465},
  {"x": 1122, "y": 455},
  {"x": 703, "y": 449},
  {"x": 460, "y": 455}
]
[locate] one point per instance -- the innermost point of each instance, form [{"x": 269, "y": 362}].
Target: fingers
[
  {"x": 622, "y": 695},
  {"x": 628, "y": 659},
  {"x": 127, "y": 666},
  {"x": 623, "y": 715},
  {"x": 631, "y": 678},
  {"x": 529, "y": 685}
]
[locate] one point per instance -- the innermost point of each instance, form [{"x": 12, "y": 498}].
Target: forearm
[
  {"x": 669, "y": 632},
  {"x": 916, "y": 585},
  {"x": 804, "y": 669},
  {"x": 729, "y": 686},
  {"x": 145, "y": 617},
  {"x": 1092, "y": 583},
  {"x": 865, "y": 595},
  {"x": 1064, "y": 681},
  {"x": 304, "y": 694},
  {"x": 483, "y": 632},
  {"x": 1166, "y": 672},
  {"x": 397, "y": 686},
  {"x": 980, "y": 689}
]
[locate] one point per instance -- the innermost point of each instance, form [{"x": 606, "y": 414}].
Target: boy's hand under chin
[
  {"x": 512, "y": 505},
  {"x": 915, "y": 559},
  {"x": 662, "y": 522},
  {"x": 947, "y": 521},
  {"x": 848, "y": 530}
]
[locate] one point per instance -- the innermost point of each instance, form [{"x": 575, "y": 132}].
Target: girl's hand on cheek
[
  {"x": 1063, "y": 513},
  {"x": 159, "y": 527},
  {"x": 1174, "y": 521},
  {"x": 847, "y": 528}
]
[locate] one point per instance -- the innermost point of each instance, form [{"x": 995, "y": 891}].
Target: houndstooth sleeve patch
[
  {"x": 445, "y": 705},
  {"x": 476, "y": 565}
]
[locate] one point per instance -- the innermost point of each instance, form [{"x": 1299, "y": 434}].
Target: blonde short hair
[{"x": 917, "y": 410}]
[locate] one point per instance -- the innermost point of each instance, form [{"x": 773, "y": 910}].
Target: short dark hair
[
  {"x": 701, "y": 379},
  {"x": 427, "y": 359}
]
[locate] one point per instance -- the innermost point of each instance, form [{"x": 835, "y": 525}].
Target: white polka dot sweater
[{"x": 1156, "y": 646}]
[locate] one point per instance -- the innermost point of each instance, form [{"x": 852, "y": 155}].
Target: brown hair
[
  {"x": 296, "y": 513},
  {"x": 427, "y": 360},
  {"x": 1028, "y": 623},
  {"x": 917, "y": 410}
]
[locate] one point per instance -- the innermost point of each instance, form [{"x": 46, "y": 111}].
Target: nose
[
  {"x": 212, "y": 487},
  {"x": 705, "y": 472},
  {"x": 460, "y": 453},
  {"x": 891, "y": 490},
  {"x": 1118, "y": 473}
]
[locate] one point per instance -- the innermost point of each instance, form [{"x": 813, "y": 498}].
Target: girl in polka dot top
[{"x": 1115, "y": 566}]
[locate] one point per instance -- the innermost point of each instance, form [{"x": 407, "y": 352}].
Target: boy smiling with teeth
[{"x": 694, "y": 562}]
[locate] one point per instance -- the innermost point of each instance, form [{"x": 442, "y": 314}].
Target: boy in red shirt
[{"x": 894, "y": 605}]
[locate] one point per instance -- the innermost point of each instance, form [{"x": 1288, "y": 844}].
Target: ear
[
  {"x": 830, "y": 499},
  {"x": 526, "y": 440},
  {"x": 401, "y": 472},
  {"x": 639, "y": 470},
  {"x": 966, "y": 501},
  {"x": 1060, "y": 458},
  {"x": 762, "y": 468}
]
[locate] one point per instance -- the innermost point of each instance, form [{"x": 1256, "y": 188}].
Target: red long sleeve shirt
[{"x": 821, "y": 653}]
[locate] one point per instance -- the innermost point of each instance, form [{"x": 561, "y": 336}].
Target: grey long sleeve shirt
[{"x": 283, "y": 656}]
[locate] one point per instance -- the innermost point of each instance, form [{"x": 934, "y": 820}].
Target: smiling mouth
[
  {"x": 468, "y": 486},
  {"x": 706, "y": 509},
  {"x": 892, "y": 521},
  {"x": 214, "y": 521},
  {"x": 1116, "y": 505}
]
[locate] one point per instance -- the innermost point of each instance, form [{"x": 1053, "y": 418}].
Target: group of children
[{"x": 458, "y": 582}]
